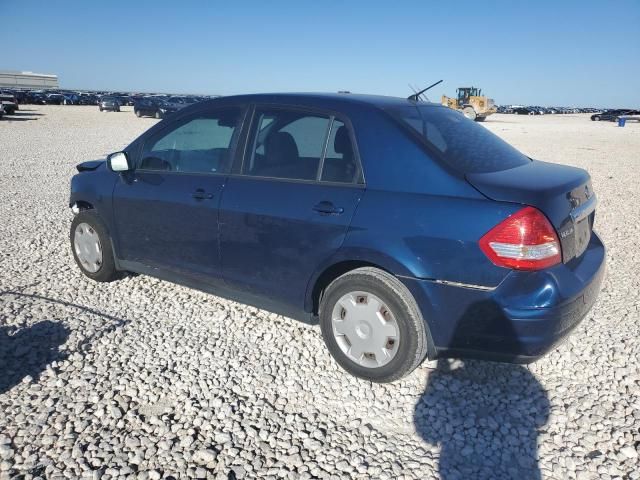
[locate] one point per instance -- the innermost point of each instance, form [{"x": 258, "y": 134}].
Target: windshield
[{"x": 462, "y": 143}]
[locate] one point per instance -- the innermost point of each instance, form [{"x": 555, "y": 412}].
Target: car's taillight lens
[{"x": 524, "y": 241}]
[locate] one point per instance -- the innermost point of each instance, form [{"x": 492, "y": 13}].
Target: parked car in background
[
  {"x": 55, "y": 99},
  {"x": 109, "y": 104},
  {"x": 70, "y": 99},
  {"x": 404, "y": 228},
  {"x": 9, "y": 103},
  {"x": 154, "y": 107},
  {"x": 87, "y": 99},
  {"x": 522, "y": 111},
  {"x": 36, "y": 98},
  {"x": 124, "y": 100},
  {"x": 19, "y": 95},
  {"x": 181, "y": 102},
  {"x": 612, "y": 115},
  {"x": 146, "y": 107}
]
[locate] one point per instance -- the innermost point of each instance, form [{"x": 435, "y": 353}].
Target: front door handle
[
  {"x": 200, "y": 194},
  {"x": 327, "y": 208}
]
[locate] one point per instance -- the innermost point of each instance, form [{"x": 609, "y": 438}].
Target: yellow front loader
[{"x": 471, "y": 103}]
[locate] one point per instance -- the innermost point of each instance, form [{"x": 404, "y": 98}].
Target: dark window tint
[
  {"x": 339, "y": 163},
  {"x": 462, "y": 143},
  {"x": 200, "y": 144},
  {"x": 288, "y": 144}
]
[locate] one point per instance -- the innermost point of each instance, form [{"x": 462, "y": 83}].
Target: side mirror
[{"x": 119, "y": 162}]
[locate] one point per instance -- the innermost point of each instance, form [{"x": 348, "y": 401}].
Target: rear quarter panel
[{"x": 427, "y": 236}]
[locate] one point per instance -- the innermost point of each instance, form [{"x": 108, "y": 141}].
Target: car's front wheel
[
  {"x": 372, "y": 326},
  {"x": 158, "y": 114},
  {"x": 91, "y": 246}
]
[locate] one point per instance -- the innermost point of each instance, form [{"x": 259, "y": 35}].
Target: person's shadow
[
  {"x": 27, "y": 352},
  {"x": 484, "y": 416}
]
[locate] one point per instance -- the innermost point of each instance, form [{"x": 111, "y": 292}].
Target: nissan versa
[{"x": 406, "y": 229}]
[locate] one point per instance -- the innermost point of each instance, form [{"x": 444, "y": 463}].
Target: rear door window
[
  {"x": 298, "y": 145},
  {"x": 340, "y": 164},
  {"x": 461, "y": 143},
  {"x": 288, "y": 144}
]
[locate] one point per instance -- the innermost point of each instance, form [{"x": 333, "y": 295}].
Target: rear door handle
[
  {"x": 327, "y": 208},
  {"x": 200, "y": 194}
]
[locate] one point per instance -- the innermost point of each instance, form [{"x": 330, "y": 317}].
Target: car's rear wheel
[
  {"x": 158, "y": 114},
  {"x": 138, "y": 113},
  {"x": 91, "y": 246},
  {"x": 372, "y": 326}
]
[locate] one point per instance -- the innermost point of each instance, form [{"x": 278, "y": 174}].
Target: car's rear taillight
[{"x": 524, "y": 241}]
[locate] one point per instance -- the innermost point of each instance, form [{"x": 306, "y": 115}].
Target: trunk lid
[{"x": 564, "y": 194}]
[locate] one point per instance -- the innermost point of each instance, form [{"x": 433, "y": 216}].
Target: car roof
[{"x": 320, "y": 99}]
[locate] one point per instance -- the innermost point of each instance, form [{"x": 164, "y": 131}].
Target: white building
[{"x": 10, "y": 79}]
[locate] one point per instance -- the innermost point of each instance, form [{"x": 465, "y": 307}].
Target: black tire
[
  {"x": 480, "y": 119},
  {"x": 413, "y": 345},
  {"x": 596, "y": 118},
  {"x": 107, "y": 271},
  {"x": 158, "y": 114},
  {"x": 100, "y": 108},
  {"x": 138, "y": 113}
]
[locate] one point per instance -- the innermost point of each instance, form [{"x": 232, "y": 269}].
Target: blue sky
[{"x": 579, "y": 53}]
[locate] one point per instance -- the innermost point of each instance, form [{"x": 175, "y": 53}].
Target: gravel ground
[{"x": 144, "y": 379}]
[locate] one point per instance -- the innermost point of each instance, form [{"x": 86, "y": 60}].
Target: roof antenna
[
  {"x": 413, "y": 89},
  {"x": 416, "y": 95}
]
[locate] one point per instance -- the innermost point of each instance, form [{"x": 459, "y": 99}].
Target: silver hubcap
[
  {"x": 87, "y": 246},
  {"x": 365, "y": 329}
]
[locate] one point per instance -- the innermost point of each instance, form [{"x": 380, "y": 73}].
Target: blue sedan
[{"x": 406, "y": 230}]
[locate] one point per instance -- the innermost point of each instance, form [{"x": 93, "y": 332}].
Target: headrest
[
  {"x": 342, "y": 142},
  {"x": 281, "y": 148}
]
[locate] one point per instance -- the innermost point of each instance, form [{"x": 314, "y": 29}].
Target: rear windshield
[{"x": 458, "y": 141}]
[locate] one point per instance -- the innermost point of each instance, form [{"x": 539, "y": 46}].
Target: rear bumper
[{"x": 521, "y": 319}]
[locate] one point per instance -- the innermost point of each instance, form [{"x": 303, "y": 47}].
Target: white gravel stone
[
  {"x": 139, "y": 375},
  {"x": 629, "y": 452},
  {"x": 204, "y": 457}
]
